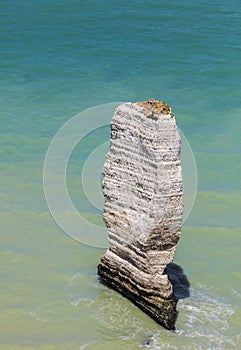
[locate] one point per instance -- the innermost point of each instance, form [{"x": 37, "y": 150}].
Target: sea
[{"x": 68, "y": 64}]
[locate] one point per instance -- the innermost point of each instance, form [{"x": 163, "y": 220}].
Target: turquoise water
[{"x": 59, "y": 58}]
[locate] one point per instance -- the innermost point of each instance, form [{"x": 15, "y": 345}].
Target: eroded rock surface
[{"x": 142, "y": 186}]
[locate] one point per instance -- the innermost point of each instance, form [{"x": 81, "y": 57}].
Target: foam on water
[
  {"x": 202, "y": 309},
  {"x": 204, "y": 322}
]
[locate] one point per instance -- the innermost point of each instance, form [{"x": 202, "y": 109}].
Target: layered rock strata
[{"x": 142, "y": 186}]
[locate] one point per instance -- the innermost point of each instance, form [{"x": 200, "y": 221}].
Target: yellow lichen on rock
[{"x": 156, "y": 107}]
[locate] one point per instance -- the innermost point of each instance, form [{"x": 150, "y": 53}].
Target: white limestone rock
[{"x": 142, "y": 186}]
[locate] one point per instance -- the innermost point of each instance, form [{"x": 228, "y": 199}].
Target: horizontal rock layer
[{"x": 142, "y": 186}]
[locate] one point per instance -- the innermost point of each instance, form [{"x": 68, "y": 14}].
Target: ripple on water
[
  {"x": 206, "y": 319},
  {"x": 203, "y": 323}
]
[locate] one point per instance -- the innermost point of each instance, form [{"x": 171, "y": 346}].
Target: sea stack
[{"x": 142, "y": 187}]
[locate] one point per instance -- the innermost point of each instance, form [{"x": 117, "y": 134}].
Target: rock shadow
[{"x": 179, "y": 281}]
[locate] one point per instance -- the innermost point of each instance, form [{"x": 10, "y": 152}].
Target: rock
[{"x": 142, "y": 187}]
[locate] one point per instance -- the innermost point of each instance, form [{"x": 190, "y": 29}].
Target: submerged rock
[{"x": 142, "y": 186}]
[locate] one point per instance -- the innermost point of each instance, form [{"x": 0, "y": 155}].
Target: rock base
[{"x": 150, "y": 300}]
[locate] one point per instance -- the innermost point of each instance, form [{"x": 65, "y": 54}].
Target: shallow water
[{"x": 59, "y": 58}]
